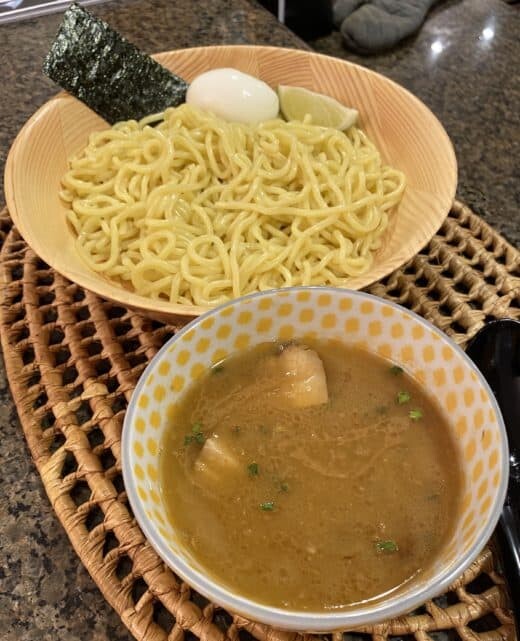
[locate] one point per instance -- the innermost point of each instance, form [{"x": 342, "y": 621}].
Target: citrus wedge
[{"x": 297, "y": 102}]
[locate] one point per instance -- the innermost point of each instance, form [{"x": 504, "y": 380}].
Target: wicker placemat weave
[{"x": 73, "y": 361}]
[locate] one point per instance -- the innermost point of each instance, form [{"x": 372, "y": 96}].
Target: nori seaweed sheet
[{"x": 109, "y": 74}]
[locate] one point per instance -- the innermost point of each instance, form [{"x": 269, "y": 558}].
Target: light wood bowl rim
[{"x": 165, "y": 310}]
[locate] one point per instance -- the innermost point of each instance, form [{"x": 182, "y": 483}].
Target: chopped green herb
[
  {"x": 396, "y": 370},
  {"x": 403, "y": 397},
  {"x": 268, "y": 506},
  {"x": 252, "y": 468},
  {"x": 415, "y": 415},
  {"x": 387, "y": 546},
  {"x": 196, "y": 436},
  {"x": 217, "y": 369}
]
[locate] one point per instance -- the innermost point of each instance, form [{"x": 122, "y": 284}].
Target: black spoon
[{"x": 496, "y": 351}]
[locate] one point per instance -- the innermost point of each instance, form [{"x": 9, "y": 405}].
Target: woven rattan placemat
[{"x": 73, "y": 361}]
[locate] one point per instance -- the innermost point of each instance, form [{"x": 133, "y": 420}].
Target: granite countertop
[{"x": 462, "y": 65}]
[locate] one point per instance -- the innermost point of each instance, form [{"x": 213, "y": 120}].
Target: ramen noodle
[{"x": 186, "y": 207}]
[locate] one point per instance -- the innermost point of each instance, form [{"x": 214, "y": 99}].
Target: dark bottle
[{"x": 308, "y": 19}]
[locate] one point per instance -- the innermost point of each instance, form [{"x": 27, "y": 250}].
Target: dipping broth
[{"x": 310, "y": 477}]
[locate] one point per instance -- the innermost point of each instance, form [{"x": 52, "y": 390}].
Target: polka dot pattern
[{"x": 334, "y": 315}]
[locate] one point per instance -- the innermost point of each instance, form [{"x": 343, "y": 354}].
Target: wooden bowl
[{"x": 405, "y": 131}]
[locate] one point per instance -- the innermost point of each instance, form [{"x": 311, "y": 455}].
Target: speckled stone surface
[
  {"x": 463, "y": 64},
  {"x": 472, "y": 85}
]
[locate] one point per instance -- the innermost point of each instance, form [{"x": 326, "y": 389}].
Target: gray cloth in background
[{"x": 368, "y": 26}]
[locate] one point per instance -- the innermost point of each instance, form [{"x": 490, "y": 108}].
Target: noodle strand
[{"x": 186, "y": 207}]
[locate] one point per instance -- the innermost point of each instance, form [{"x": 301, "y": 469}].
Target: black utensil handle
[
  {"x": 509, "y": 545},
  {"x": 496, "y": 352}
]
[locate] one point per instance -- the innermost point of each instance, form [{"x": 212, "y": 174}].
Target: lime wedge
[{"x": 297, "y": 102}]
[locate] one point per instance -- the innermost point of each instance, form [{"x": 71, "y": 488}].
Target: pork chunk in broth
[
  {"x": 310, "y": 477},
  {"x": 297, "y": 376},
  {"x": 293, "y": 377}
]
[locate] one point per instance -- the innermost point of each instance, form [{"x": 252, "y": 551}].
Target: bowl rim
[
  {"x": 106, "y": 288},
  {"x": 308, "y": 621}
]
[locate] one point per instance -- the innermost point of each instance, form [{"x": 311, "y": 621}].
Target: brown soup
[{"x": 310, "y": 479}]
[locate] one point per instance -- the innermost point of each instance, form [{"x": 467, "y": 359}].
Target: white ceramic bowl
[{"x": 354, "y": 318}]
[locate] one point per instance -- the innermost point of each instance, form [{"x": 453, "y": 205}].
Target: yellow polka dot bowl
[{"x": 356, "y": 319}]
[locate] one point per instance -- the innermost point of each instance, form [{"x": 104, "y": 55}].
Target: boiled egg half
[{"x": 234, "y": 96}]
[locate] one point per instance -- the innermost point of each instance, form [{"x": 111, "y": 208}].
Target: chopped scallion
[
  {"x": 268, "y": 506},
  {"x": 252, "y": 468},
  {"x": 403, "y": 397},
  {"x": 396, "y": 370},
  {"x": 196, "y": 436},
  {"x": 387, "y": 546},
  {"x": 415, "y": 415}
]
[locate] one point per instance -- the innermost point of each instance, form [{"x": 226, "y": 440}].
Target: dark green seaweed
[{"x": 106, "y": 72}]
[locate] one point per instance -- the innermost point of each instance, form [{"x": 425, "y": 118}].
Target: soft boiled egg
[{"x": 233, "y": 96}]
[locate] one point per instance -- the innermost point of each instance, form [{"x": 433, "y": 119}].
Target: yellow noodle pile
[{"x": 189, "y": 208}]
